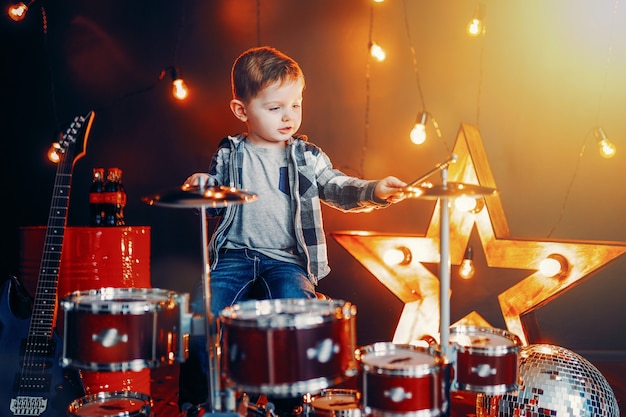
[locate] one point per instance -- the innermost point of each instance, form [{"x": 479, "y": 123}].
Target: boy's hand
[
  {"x": 390, "y": 189},
  {"x": 199, "y": 179}
]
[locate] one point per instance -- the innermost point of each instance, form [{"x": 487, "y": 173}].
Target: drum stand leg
[
  {"x": 214, "y": 401},
  {"x": 444, "y": 289},
  {"x": 444, "y": 270}
]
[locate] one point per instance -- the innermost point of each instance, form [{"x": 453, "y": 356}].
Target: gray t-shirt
[{"x": 265, "y": 225}]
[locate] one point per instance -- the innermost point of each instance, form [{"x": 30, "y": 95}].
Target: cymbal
[
  {"x": 195, "y": 196},
  {"x": 450, "y": 189}
]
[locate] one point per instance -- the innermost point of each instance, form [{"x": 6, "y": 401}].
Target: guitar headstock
[{"x": 72, "y": 145}]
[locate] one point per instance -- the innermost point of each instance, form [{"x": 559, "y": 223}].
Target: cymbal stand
[
  {"x": 444, "y": 251},
  {"x": 210, "y": 323},
  {"x": 444, "y": 269}
]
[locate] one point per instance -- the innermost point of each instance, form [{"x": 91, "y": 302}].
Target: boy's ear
[{"x": 238, "y": 109}]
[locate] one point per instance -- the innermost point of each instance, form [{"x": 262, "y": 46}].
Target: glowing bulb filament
[
  {"x": 607, "y": 149},
  {"x": 17, "y": 12},
  {"x": 475, "y": 27},
  {"x": 466, "y": 270},
  {"x": 418, "y": 134},
  {"x": 54, "y": 153},
  {"x": 180, "y": 90},
  {"x": 377, "y": 52}
]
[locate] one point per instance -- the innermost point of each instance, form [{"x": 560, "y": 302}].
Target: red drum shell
[
  {"x": 486, "y": 359},
  {"x": 119, "y": 329},
  {"x": 402, "y": 380},
  {"x": 288, "y": 347}
]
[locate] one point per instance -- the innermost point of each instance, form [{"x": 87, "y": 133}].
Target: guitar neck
[{"x": 45, "y": 302}]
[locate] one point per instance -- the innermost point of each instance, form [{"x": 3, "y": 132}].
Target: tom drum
[
  {"x": 402, "y": 380},
  {"x": 485, "y": 359},
  {"x": 118, "y": 329},
  {"x": 289, "y": 347}
]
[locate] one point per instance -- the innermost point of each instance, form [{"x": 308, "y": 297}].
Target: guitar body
[{"x": 52, "y": 388}]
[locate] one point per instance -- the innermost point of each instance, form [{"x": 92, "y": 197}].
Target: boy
[{"x": 275, "y": 247}]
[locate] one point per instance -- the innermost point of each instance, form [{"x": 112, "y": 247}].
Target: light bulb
[
  {"x": 180, "y": 90},
  {"x": 54, "y": 152},
  {"x": 606, "y": 148},
  {"x": 554, "y": 265},
  {"x": 17, "y": 12},
  {"x": 476, "y": 27},
  {"x": 377, "y": 52},
  {"x": 397, "y": 256},
  {"x": 466, "y": 269},
  {"x": 465, "y": 203},
  {"x": 418, "y": 133}
]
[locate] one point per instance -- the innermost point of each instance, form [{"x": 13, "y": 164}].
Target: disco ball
[{"x": 555, "y": 382}]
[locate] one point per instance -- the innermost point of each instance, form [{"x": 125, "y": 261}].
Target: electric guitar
[{"x": 32, "y": 381}]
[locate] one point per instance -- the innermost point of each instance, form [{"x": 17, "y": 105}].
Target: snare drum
[
  {"x": 112, "y": 404},
  {"x": 485, "y": 359},
  {"x": 288, "y": 347},
  {"x": 402, "y": 380},
  {"x": 119, "y": 329},
  {"x": 336, "y": 402}
]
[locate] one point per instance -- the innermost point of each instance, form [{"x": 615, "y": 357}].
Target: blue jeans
[
  {"x": 240, "y": 275},
  {"x": 245, "y": 274}
]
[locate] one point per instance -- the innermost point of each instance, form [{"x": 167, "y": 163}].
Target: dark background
[{"x": 540, "y": 79}]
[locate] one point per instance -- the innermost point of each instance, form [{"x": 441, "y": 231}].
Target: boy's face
[{"x": 274, "y": 115}]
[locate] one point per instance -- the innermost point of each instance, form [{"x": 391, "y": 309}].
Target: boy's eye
[{"x": 274, "y": 108}]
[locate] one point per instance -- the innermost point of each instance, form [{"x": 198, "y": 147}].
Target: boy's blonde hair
[{"x": 259, "y": 67}]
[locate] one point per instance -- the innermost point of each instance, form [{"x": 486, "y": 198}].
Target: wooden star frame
[{"x": 418, "y": 288}]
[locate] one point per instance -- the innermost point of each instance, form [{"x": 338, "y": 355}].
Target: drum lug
[
  {"x": 484, "y": 370},
  {"x": 398, "y": 394},
  {"x": 323, "y": 352}
]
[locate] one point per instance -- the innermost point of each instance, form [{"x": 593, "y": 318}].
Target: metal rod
[
  {"x": 440, "y": 166},
  {"x": 444, "y": 270},
  {"x": 210, "y": 323}
]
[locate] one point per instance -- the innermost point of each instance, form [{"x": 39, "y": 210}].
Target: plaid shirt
[{"x": 312, "y": 180}]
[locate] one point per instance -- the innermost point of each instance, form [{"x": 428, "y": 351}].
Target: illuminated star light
[{"x": 418, "y": 288}]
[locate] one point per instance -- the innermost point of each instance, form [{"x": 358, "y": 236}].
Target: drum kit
[{"x": 287, "y": 348}]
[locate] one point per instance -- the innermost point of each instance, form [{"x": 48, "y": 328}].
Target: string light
[
  {"x": 476, "y": 26},
  {"x": 17, "y": 12},
  {"x": 607, "y": 149},
  {"x": 377, "y": 52},
  {"x": 418, "y": 133},
  {"x": 466, "y": 270},
  {"x": 54, "y": 152},
  {"x": 180, "y": 91}
]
